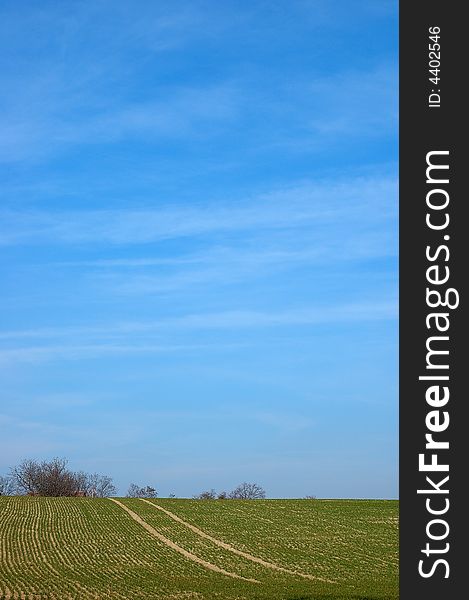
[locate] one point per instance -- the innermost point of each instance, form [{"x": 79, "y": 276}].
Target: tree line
[
  {"x": 54, "y": 478},
  {"x": 244, "y": 491}
]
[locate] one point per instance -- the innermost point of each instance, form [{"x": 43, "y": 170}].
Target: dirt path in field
[
  {"x": 226, "y": 546},
  {"x": 177, "y": 548}
]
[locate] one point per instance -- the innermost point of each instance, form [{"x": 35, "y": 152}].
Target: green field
[{"x": 83, "y": 548}]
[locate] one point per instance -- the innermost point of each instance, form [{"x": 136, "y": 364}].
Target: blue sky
[{"x": 198, "y": 232}]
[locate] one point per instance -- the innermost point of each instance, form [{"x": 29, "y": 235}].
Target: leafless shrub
[
  {"x": 135, "y": 491},
  {"x": 207, "y": 495}
]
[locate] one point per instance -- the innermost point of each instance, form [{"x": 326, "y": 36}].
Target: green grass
[{"x": 81, "y": 548}]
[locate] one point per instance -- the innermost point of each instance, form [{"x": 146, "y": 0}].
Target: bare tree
[
  {"x": 248, "y": 491},
  {"x": 82, "y": 483},
  {"x": 7, "y": 486},
  {"x": 135, "y": 491},
  {"x": 26, "y": 476},
  {"x": 56, "y": 480},
  {"x": 53, "y": 478},
  {"x": 207, "y": 495},
  {"x": 222, "y": 495},
  {"x": 99, "y": 486}
]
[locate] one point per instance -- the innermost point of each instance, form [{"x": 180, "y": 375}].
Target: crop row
[
  {"x": 340, "y": 540},
  {"x": 83, "y": 548},
  {"x": 202, "y": 547},
  {"x": 92, "y": 549}
]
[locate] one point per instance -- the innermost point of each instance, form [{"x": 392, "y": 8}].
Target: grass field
[{"x": 82, "y": 548}]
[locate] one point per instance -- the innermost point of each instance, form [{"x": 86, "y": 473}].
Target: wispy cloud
[
  {"x": 230, "y": 266},
  {"x": 39, "y": 354},
  {"x": 83, "y": 94},
  {"x": 28, "y": 133},
  {"x": 296, "y": 206},
  {"x": 299, "y": 315},
  {"x": 352, "y": 102},
  {"x": 288, "y": 422},
  {"x": 132, "y": 337}
]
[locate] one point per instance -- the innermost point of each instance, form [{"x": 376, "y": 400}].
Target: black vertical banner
[{"x": 434, "y": 251}]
